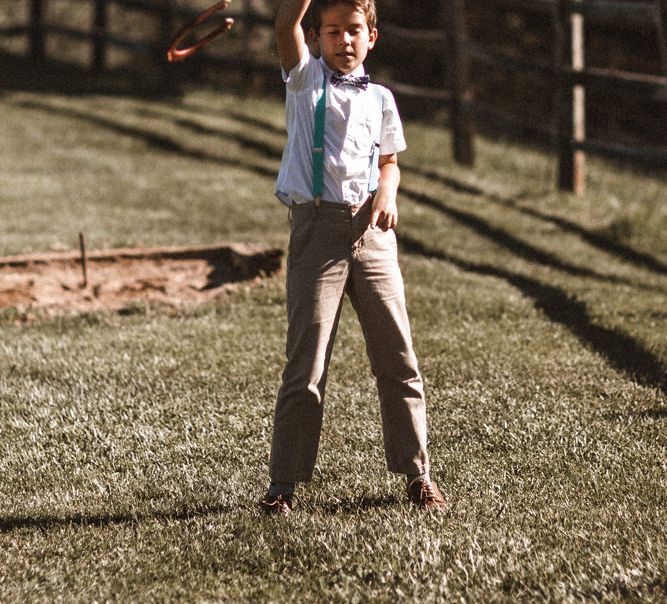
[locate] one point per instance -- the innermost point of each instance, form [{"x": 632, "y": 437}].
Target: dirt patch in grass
[{"x": 117, "y": 279}]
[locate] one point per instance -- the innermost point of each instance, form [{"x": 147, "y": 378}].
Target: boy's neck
[{"x": 359, "y": 70}]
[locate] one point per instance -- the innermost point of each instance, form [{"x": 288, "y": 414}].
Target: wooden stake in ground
[{"x": 82, "y": 247}]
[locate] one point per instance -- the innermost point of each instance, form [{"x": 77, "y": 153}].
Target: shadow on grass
[
  {"x": 256, "y": 122},
  {"x": 499, "y": 236},
  {"x": 158, "y": 141},
  {"x": 513, "y": 244},
  {"x": 13, "y": 523},
  {"x": 247, "y": 142},
  {"x": 657, "y": 413},
  {"x": 619, "y": 349},
  {"x": 597, "y": 240},
  {"x": 238, "y": 116}
]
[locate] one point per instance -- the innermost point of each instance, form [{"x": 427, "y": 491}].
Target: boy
[{"x": 340, "y": 176}]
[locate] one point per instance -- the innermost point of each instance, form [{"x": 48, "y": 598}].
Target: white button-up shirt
[{"x": 354, "y": 123}]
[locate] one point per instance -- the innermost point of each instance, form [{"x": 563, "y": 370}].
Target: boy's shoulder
[
  {"x": 380, "y": 89},
  {"x": 387, "y": 96}
]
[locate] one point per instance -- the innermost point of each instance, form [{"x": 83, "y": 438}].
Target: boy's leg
[
  {"x": 316, "y": 275},
  {"x": 377, "y": 294}
]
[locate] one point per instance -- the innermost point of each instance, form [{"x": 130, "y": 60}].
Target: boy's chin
[{"x": 343, "y": 67}]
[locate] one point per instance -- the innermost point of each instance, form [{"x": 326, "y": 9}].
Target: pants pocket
[{"x": 300, "y": 235}]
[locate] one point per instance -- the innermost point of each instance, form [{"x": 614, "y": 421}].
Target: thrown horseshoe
[{"x": 175, "y": 54}]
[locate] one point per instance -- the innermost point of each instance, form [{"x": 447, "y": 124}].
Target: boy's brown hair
[{"x": 367, "y": 7}]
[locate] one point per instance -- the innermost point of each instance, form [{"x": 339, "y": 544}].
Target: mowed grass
[{"x": 133, "y": 446}]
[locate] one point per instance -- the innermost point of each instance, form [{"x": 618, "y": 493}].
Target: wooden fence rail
[{"x": 566, "y": 72}]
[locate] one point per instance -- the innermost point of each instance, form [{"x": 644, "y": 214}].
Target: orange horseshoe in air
[{"x": 175, "y": 54}]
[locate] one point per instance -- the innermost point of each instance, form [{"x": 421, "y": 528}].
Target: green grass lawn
[{"x": 133, "y": 446}]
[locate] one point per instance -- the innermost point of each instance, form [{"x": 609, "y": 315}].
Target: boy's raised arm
[{"x": 289, "y": 35}]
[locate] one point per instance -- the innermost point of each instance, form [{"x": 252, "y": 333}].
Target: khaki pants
[{"x": 332, "y": 252}]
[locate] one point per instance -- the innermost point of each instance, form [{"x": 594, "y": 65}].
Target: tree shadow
[
  {"x": 619, "y": 349},
  {"x": 656, "y": 413},
  {"x": 265, "y": 149},
  {"x": 513, "y": 244},
  {"x": 256, "y": 122},
  {"x": 597, "y": 240},
  {"x": 196, "y": 127},
  {"x": 9, "y": 524},
  {"x": 238, "y": 116},
  {"x": 152, "y": 139}
]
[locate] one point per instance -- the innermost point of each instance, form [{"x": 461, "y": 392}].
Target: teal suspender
[
  {"x": 318, "y": 144},
  {"x": 374, "y": 176}
]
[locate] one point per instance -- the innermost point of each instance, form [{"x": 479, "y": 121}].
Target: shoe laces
[
  {"x": 282, "y": 501},
  {"x": 427, "y": 491}
]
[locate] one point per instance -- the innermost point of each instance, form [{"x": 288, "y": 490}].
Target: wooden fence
[
  {"x": 566, "y": 69},
  {"x": 167, "y": 13}
]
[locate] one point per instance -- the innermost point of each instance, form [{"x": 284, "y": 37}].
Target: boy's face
[{"x": 344, "y": 38}]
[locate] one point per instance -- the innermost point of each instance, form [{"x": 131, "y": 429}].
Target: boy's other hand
[{"x": 384, "y": 212}]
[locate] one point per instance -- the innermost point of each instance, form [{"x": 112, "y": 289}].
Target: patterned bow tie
[{"x": 350, "y": 80}]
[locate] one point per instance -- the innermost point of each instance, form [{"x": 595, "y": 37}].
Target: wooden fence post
[
  {"x": 570, "y": 100},
  {"x": 248, "y": 83},
  {"x": 37, "y": 30},
  {"x": 165, "y": 33},
  {"x": 661, "y": 18},
  {"x": 458, "y": 75},
  {"x": 99, "y": 37}
]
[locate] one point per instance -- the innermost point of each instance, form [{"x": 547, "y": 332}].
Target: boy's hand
[
  {"x": 289, "y": 35},
  {"x": 384, "y": 212}
]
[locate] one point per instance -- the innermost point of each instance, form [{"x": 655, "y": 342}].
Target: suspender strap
[
  {"x": 318, "y": 144},
  {"x": 374, "y": 176}
]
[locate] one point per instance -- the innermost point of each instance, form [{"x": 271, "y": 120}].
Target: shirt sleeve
[
  {"x": 300, "y": 76},
  {"x": 392, "y": 139}
]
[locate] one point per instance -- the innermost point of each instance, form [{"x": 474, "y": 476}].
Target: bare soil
[{"x": 116, "y": 279}]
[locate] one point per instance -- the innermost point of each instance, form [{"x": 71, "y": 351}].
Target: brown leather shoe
[
  {"x": 425, "y": 495},
  {"x": 280, "y": 505}
]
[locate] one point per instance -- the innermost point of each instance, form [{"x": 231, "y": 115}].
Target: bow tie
[{"x": 350, "y": 80}]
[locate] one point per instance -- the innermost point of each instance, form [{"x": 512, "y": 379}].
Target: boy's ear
[
  {"x": 314, "y": 38},
  {"x": 372, "y": 38}
]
